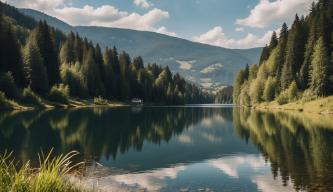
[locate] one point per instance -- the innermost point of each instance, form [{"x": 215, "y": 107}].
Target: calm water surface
[{"x": 191, "y": 148}]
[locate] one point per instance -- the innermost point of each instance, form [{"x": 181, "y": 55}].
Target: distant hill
[{"x": 207, "y": 65}]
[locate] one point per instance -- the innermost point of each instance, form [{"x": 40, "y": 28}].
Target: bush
[
  {"x": 8, "y": 86},
  {"x": 270, "y": 88},
  {"x": 289, "y": 95},
  {"x": 100, "y": 101},
  {"x": 308, "y": 95},
  {"x": 59, "y": 93},
  {"x": 4, "y": 104},
  {"x": 282, "y": 98},
  {"x": 31, "y": 98}
]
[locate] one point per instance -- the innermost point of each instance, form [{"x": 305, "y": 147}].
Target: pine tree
[
  {"x": 274, "y": 42},
  {"x": 48, "y": 52},
  {"x": 91, "y": 74},
  {"x": 124, "y": 62},
  {"x": 303, "y": 78},
  {"x": 35, "y": 70},
  {"x": 100, "y": 63},
  {"x": 109, "y": 73},
  {"x": 281, "y": 53},
  {"x": 319, "y": 73},
  {"x": 295, "y": 53},
  {"x": 264, "y": 55},
  {"x": 10, "y": 53}
]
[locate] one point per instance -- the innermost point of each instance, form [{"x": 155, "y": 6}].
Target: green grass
[
  {"x": 319, "y": 105},
  {"x": 50, "y": 176}
]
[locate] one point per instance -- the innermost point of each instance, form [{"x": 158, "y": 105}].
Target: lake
[{"x": 190, "y": 148}]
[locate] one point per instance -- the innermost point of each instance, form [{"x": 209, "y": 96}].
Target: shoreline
[{"x": 322, "y": 106}]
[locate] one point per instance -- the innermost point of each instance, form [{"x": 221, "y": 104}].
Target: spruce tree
[
  {"x": 303, "y": 78},
  {"x": 91, "y": 74},
  {"x": 34, "y": 68},
  {"x": 264, "y": 55},
  {"x": 274, "y": 41},
  {"x": 281, "y": 52},
  {"x": 48, "y": 52},
  {"x": 319, "y": 73},
  {"x": 295, "y": 53}
]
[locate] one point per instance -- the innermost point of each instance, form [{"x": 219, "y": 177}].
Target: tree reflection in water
[{"x": 299, "y": 146}]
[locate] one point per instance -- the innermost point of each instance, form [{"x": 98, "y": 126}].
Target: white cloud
[
  {"x": 142, "y": 3},
  {"x": 105, "y": 15},
  {"x": 268, "y": 11},
  {"x": 217, "y": 37},
  {"x": 239, "y": 29}
]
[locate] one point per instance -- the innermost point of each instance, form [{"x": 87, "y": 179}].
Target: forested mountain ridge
[
  {"x": 207, "y": 65},
  {"x": 296, "y": 65},
  {"x": 38, "y": 60}
]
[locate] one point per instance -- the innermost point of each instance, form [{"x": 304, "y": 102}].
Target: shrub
[
  {"x": 31, "y": 98},
  {"x": 59, "y": 93},
  {"x": 8, "y": 86},
  {"x": 282, "y": 98},
  {"x": 100, "y": 101},
  {"x": 308, "y": 95},
  {"x": 270, "y": 88},
  {"x": 4, "y": 104},
  {"x": 289, "y": 95}
]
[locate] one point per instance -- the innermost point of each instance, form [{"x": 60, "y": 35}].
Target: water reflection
[
  {"x": 299, "y": 146},
  {"x": 182, "y": 148}
]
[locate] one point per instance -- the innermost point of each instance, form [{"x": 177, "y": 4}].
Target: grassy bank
[
  {"x": 319, "y": 106},
  {"x": 36, "y": 102},
  {"x": 50, "y": 176}
]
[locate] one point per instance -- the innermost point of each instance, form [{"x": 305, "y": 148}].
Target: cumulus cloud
[
  {"x": 268, "y": 11},
  {"x": 142, "y": 3},
  {"x": 105, "y": 15},
  {"x": 239, "y": 29},
  {"x": 217, "y": 37}
]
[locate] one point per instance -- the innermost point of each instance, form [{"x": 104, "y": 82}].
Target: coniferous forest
[
  {"x": 296, "y": 65},
  {"x": 40, "y": 62}
]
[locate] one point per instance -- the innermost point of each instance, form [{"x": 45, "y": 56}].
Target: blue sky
[{"x": 226, "y": 23}]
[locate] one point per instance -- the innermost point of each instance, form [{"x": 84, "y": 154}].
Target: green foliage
[
  {"x": 320, "y": 74},
  {"x": 4, "y": 104},
  {"x": 34, "y": 68},
  {"x": 270, "y": 89},
  {"x": 29, "y": 97},
  {"x": 297, "y": 61},
  {"x": 49, "y": 177},
  {"x": 308, "y": 95},
  {"x": 8, "y": 86},
  {"x": 100, "y": 101},
  {"x": 82, "y": 67},
  {"x": 59, "y": 93},
  {"x": 289, "y": 95}
]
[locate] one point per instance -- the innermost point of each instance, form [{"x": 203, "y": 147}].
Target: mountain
[{"x": 210, "y": 66}]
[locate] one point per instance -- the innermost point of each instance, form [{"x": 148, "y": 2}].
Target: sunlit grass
[{"x": 50, "y": 176}]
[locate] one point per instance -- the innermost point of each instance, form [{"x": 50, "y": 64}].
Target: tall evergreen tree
[
  {"x": 295, "y": 53},
  {"x": 274, "y": 41},
  {"x": 319, "y": 72},
  {"x": 264, "y": 55},
  {"x": 91, "y": 74},
  {"x": 35, "y": 70},
  {"x": 10, "y": 53},
  {"x": 124, "y": 62},
  {"x": 281, "y": 53},
  {"x": 49, "y": 54}
]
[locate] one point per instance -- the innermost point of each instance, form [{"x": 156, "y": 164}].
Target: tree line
[
  {"x": 297, "y": 63},
  {"x": 41, "y": 60}
]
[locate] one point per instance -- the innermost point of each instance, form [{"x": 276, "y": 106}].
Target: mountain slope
[{"x": 207, "y": 65}]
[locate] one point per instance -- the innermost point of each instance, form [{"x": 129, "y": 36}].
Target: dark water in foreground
[{"x": 211, "y": 148}]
